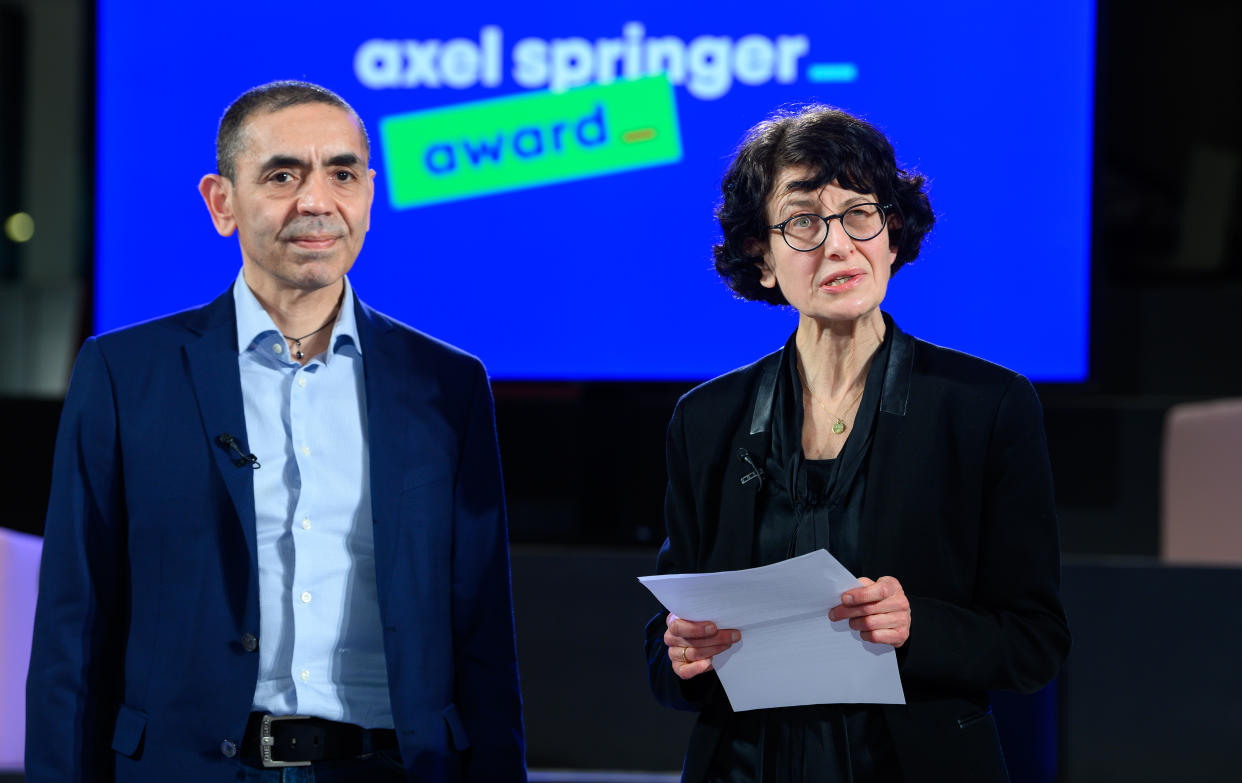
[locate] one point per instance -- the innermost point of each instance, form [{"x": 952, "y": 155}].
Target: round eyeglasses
[{"x": 861, "y": 222}]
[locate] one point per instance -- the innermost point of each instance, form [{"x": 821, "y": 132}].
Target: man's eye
[
  {"x": 344, "y": 175},
  {"x": 282, "y": 177}
]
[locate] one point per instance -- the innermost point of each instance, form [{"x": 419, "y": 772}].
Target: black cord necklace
[{"x": 298, "y": 340}]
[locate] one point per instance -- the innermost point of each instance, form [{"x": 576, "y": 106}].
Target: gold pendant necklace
[{"x": 838, "y": 422}]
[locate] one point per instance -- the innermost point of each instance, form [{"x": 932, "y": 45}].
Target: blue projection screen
[{"x": 547, "y": 173}]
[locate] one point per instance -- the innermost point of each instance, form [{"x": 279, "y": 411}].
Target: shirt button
[
  {"x": 249, "y": 642},
  {"x": 306, "y": 524},
  {"x": 306, "y": 597},
  {"x": 306, "y": 450},
  {"x": 278, "y": 348},
  {"x": 302, "y": 381},
  {"x": 228, "y": 749},
  {"x": 305, "y": 675}
]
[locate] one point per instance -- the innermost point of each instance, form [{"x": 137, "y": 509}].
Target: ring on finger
[{"x": 683, "y": 655}]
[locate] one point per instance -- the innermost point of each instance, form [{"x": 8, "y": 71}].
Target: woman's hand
[
  {"x": 880, "y": 610},
  {"x": 691, "y": 645}
]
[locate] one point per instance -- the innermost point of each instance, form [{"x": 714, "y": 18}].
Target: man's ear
[
  {"x": 370, "y": 196},
  {"x": 217, "y": 192}
]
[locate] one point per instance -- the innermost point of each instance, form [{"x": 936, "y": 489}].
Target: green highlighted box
[{"x": 527, "y": 140}]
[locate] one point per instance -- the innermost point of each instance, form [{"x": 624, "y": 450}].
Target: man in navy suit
[{"x": 276, "y": 544}]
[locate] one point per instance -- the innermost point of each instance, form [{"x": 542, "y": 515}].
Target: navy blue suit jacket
[{"x": 149, "y": 579}]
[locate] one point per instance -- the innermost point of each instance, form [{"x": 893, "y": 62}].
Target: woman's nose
[{"x": 837, "y": 241}]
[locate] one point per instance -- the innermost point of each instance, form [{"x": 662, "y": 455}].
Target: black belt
[{"x": 297, "y": 740}]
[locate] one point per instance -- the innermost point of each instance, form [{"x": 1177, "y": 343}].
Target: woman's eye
[{"x": 801, "y": 221}]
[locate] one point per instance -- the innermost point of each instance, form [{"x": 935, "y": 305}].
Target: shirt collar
[{"x": 253, "y": 322}]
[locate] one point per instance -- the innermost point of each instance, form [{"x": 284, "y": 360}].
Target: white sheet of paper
[{"x": 790, "y": 653}]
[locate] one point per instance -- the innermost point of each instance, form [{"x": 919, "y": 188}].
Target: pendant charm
[
  {"x": 297, "y": 341},
  {"x": 838, "y": 426}
]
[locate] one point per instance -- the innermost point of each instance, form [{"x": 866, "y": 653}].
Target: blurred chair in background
[{"x": 1201, "y": 492}]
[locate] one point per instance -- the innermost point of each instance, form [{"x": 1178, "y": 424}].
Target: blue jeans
[{"x": 379, "y": 767}]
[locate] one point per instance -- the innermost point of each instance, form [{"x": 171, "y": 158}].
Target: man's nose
[{"x": 316, "y": 196}]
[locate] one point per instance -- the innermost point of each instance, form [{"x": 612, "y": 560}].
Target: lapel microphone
[
  {"x": 229, "y": 443},
  {"x": 755, "y": 471}
]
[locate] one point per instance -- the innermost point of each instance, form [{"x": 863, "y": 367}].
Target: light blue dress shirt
[{"x": 321, "y": 647}]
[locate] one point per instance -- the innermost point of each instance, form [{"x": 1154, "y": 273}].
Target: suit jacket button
[
  {"x": 228, "y": 749},
  {"x": 250, "y": 642}
]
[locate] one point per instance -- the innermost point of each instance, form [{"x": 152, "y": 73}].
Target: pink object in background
[
  {"x": 19, "y": 583},
  {"x": 1201, "y": 514}
]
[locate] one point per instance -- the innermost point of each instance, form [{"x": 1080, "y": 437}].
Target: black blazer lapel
[
  {"x": 889, "y": 447},
  {"x": 744, "y": 478},
  {"x": 898, "y": 373},
  {"x": 212, "y": 360}
]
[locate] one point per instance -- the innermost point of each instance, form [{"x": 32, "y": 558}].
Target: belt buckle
[{"x": 266, "y": 741}]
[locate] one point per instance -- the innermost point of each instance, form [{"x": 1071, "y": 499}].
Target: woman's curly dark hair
[{"x": 834, "y": 146}]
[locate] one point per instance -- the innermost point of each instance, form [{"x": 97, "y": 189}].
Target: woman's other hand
[
  {"x": 880, "y": 610},
  {"x": 691, "y": 645}
]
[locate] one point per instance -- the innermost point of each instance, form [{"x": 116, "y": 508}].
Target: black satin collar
[
  {"x": 766, "y": 394},
  {"x": 896, "y": 385},
  {"x": 899, "y": 370}
]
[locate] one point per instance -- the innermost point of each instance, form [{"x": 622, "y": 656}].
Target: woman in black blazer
[{"x": 922, "y": 465}]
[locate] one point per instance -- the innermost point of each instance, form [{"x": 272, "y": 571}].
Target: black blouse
[{"x": 810, "y": 505}]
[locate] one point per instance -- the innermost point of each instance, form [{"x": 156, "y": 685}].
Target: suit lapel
[
  {"x": 387, "y": 438},
  {"x": 212, "y": 359},
  {"x": 899, "y": 371},
  {"x": 881, "y": 505},
  {"x": 744, "y": 479}
]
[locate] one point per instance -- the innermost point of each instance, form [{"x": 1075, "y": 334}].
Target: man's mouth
[{"x": 317, "y": 241}]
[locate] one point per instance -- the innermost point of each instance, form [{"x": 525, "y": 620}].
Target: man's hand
[
  {"x": 880, "y": 610},
  {"x": 691, "y": 645}
]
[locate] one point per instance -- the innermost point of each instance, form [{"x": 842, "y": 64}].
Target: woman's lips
[{"x": 841, "y": 281}]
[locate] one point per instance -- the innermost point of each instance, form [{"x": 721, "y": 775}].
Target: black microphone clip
[
  {"x": 755, "y": 471},
  {"x": 229, "y": 443}
]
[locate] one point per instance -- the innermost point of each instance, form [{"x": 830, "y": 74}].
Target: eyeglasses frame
[{"x": 884, "y": 208}]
